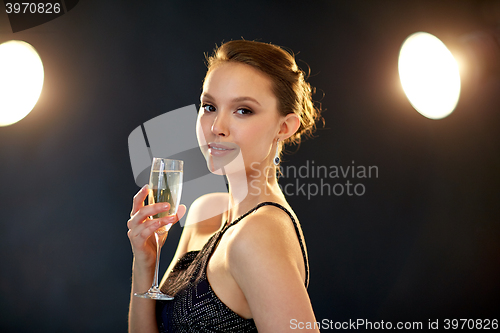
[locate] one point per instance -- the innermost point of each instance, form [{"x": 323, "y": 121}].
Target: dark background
[{"x": 422, "y": 242}]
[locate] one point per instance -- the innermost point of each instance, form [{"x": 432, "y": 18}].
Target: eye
[
  {"x": 208, "y": 107},
  {"x": 244, "y": 111}
]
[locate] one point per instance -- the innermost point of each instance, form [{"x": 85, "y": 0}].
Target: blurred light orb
[
  {"x": 21, "y": 80},
  {"x": 429, "y": 75}
]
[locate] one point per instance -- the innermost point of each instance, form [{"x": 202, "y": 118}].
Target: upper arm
[{"x": 262, "y": 261}]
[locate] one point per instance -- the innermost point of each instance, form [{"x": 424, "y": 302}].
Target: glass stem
[{"x": 158, "y": 249}]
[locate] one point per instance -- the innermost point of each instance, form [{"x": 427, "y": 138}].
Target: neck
[{"x": 251, "y": 187}]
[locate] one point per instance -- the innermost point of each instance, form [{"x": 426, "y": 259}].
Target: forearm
[
  {"x": 142, "y": 312},
  {"x": 142, "y": 317}
]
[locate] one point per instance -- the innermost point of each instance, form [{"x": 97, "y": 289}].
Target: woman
[{"x": 241, "y": 263}]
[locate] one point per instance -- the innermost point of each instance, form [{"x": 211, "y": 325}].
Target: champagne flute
[{"x": 165, "y": 185}]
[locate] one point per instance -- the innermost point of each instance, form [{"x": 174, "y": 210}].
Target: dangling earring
[{"x": 276, "y": 157}]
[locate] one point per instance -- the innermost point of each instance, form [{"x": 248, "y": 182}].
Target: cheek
[
  {"x": 200, "y": 134},
  {"x": 257, "y": 141}
]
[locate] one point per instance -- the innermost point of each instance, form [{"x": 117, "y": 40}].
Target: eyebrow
[{"x": 237, "y": 99}]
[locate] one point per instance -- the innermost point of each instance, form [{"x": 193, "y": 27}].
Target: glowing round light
[
  {"x": 429, "y": 75},
  {"x": 21, "y": 80}
]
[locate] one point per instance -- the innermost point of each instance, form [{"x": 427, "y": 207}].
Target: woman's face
[{"x": 238, "y": 113}]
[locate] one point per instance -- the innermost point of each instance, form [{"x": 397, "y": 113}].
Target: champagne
[{"x": 165, "y": 186}]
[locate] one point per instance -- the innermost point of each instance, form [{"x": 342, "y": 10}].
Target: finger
[
  {"x": 172, "y": 219},
  {"x": 142, "y": 232},
  {"x": 181, "y": 211},
  {"x": 154, "y": 224},
  {"x": 138, "y": 201},
  {"x": 144, "y": 212}
]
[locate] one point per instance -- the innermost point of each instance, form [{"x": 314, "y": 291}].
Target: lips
[{"x": 219, "y": 147}]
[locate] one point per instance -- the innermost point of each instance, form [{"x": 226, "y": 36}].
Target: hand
[{"x": 141, "y": 227}]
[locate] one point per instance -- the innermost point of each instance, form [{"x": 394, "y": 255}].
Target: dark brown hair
[{"x": 289, "y": 84}]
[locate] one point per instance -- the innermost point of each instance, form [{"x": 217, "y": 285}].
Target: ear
[{"x": 289, "y": 125}]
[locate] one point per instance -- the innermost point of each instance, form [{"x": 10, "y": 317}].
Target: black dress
[{"x": 195, "y": 307}]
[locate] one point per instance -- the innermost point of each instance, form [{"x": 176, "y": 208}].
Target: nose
[{"x": 220, "y": 126}]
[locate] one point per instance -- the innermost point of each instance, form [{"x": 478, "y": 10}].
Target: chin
[
  {"x": 214, "y": 165},
  {"x": 216, "y": 170},
  {"x": 229, "y": 164}
]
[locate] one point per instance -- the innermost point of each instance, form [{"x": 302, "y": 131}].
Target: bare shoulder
[
  {"x": 267, "y": 237},
  {"x": 267, "y": 229},
  {"x": 205, "y": 211},
  {"x": 265, "y": 260},
  {"x": 205, "y": 218}
]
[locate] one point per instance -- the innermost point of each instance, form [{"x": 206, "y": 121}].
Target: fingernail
[{"x": 166, "y": 206}]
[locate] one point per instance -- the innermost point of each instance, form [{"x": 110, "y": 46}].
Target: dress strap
[{"x": 266, "y": 203}]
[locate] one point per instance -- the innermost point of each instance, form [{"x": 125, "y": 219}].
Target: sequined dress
[{"x": 196, "y": 307}]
